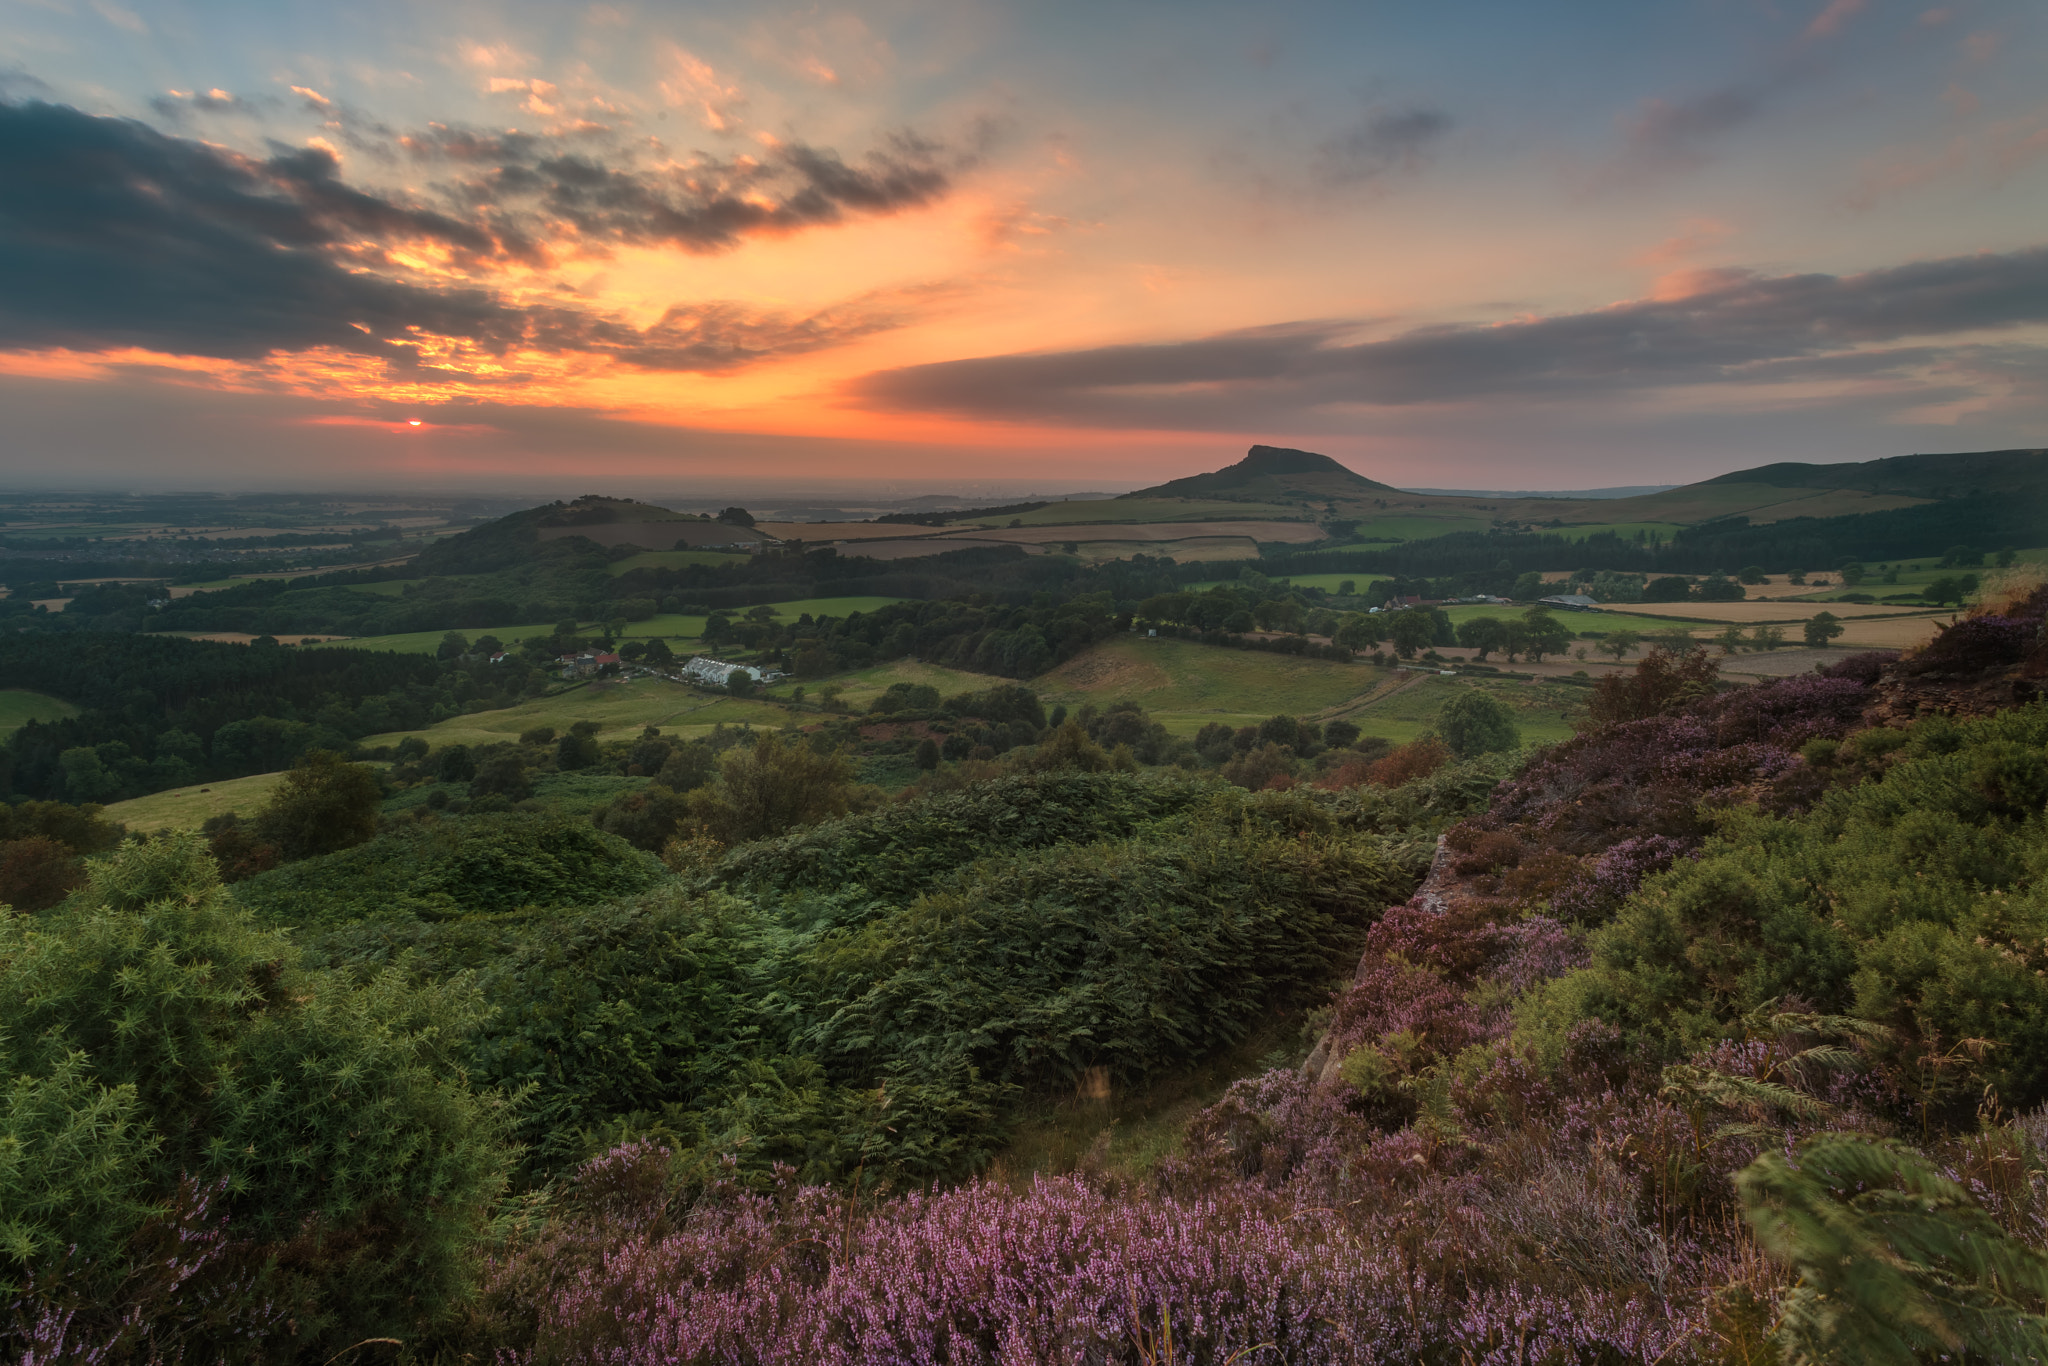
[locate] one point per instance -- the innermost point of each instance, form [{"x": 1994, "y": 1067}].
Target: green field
[
  {"x": 863, "y": 686},
  {"x": 1143, "y": 510},
  {"x": 1404, "y": 709},
  {"x": 184, "y": 808},
  {"x": 622, "y": 710},
  {"x": 426, "y": 642},
  {"x": 671, "y": 559},
  {"x": 1626, "y": 530},
  {"x": 1617, "y": 619},
  {"x": 19, "y": 706},
  {"x": 1186, "y": 685},
  {"x": 1394, "y": 527}
]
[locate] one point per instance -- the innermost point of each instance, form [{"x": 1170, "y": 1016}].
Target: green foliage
[
  {"x": 1821, "y": 628},
  {"x": 453, "y": 867},
  {"x": 771, "y": 787},
  {"x": 324, "y": 804},
  {"x": 1917, "y": 901},
  {"x": 152, "y": 1032},
  {"x": 1475, "y": 723},
  {"x": 1896, "y": 1262}
]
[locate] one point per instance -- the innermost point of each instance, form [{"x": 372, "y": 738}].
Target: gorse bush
[
  {"x": 453, "y": 867},
  {"x": 156, "y": 1040},
  {"x": 1915, "y": 900}
]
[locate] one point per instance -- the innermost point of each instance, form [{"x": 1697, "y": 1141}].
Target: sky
[{"x": 1013, "y": 246}]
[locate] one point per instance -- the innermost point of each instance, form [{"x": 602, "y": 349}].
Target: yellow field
[{"x": 185, "y": 808}]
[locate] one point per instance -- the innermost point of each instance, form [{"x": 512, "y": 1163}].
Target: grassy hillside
[
  {"x": 19, "y": 706},
  {"x": 1187, "y": 685},
  {"x": 185, "y": 808},
  {"x": 621, "y": 709}
]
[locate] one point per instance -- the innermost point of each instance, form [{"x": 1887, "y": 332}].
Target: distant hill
[
  {"x": 1273, "y": 474},
  {"x": 516, "y": 538},
  {"x": 1958, "y": 475}
]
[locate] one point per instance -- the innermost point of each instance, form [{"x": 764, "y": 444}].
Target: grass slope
[
  {"x": 621, "y": 709},
  {"x": 184, "y": 808},
  {"x": 1187, "y": 685},
  {"x": 19, "y": 706}
]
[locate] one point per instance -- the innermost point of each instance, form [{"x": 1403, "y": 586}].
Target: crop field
[
  {"x": 1187, "y": 685},
  {"x": 186, "y": 808},
  {"x": 1293, "y": 533},
  {"x": 820, "y": 532},
  {"x": 1396, "y": 527},
  {"x": 1625, "y": 618},
  {"x": 622, "y": 710},
  {"x": 19, "y": 706},
  {"x": 1406, "y": 706},
  {"x": 1138, "y": 510},
  {"x": 1195, "y": 550}
]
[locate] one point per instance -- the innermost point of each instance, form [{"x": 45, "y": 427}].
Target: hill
[
  {"x": 1957, "y": 475},
  {"x": 1273, "y": 474}
]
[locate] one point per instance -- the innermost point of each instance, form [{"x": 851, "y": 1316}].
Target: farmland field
[
  {"x": 1404, "y": 709},
  {"x": 185, "y": 808},
  {"x": 1138, "y": 510},
  {"x": 1186, "y": 685},
  {"x": 864, "y": 685},
  {"x": 621, "y": 709},
  {"x": 19, "y": 706}
]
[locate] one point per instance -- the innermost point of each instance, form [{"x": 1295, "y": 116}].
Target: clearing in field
[
  {"x": 19, "y": 706},
  {"x": 186, "y": 808},
  {"x": 1186, "y": 685}
]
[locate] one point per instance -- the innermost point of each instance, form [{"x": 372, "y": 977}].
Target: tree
[
  {"x": 1670, "y": 588},
  {"x": 1731, "y": 639},
  {"x": 85, "y": 778},
  {"x": 736, "y": 516},
  {"x": 1359, "y": 631},
  {"x": 1546, "y": 635},
  {"x": 455, "y": 763},
  {"x": 740, "y": 683},
  {"x": 454, "y": 645},
  {"x": 1527, "y": 588},
  {"x": 577, "y": 749},
  {"x": 1482, "y": 635},
  {"x": 1475, "y": 722},
  {"x": 1410, "y": 631},
  {"x": 1948, "y": 589},
  {"x": 1718, "y": 588},
  {"x": 771, "y": 787},
  {"x": 1766, "y": 638},
  {"x": 1752, "y": 574},
  {"x": 1619, "y": 643},
  {"x": 324, "y": 804},
  {"x": 927, "y": 754},
  {"x": 1821, "y": 628},
  {"x": 1961, "y": 557},
  {"x": 502, "y": 775},
  {"x": 1852, "y": 572},
  {"x": 1350, "y": 586}
]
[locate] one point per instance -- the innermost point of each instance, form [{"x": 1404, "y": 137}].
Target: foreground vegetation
[{"x": 1714, "y": 1034}]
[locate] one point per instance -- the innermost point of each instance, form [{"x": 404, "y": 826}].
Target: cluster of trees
[{"x": 160, "y": 712}]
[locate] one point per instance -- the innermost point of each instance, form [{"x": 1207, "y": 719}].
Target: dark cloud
[
  {"x": 1729, "y": 328},
  {"x": 113, "y": 234},
  {"x": 1379, "y": 144},
  {"x": 1666, "y": 137}
]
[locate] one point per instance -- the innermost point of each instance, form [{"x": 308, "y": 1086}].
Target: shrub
[
  {"x": 771, "y": 787},
  {"x": 36, "y": 873},
  {"x": 1475, "y": 722},
  {"x": 323, "y": 805},
  {"x": 1416, "y": 759},
  {"x": 152, "y": 1032}
]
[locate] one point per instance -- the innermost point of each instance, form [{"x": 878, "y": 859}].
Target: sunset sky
[{"x": 1044, "y": 246}]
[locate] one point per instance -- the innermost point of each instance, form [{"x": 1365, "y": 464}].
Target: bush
[
  {"x": 323, "y": 805},
  {"x": 453, "y": 867},
  {"x": 36, "y": 873},
  {"x": 151, "y": 1032},
  {"x": 1476, "y": 722},
  {"x": 770, "y": 787}
]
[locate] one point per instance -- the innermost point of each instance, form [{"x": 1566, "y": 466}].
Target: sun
[{"x": 412, "y": 422}]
